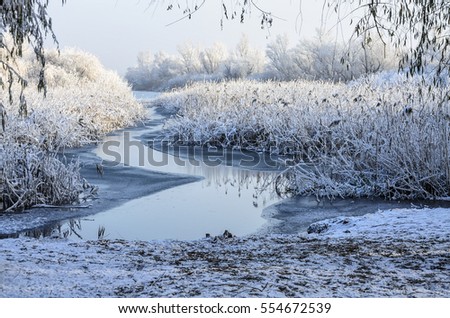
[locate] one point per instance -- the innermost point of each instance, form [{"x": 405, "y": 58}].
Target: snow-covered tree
[
  {"x": 244, "y": 60},
  {"x": 280, "y": 57},
  {"x": 139, "y": 75},
  {"x": 165, "y": 67},
  {"x": 325, "y": 59},
  {"x": 213, "y": 57},
  {"x": 190, "y": 57}
]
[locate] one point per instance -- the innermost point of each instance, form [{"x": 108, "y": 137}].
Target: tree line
[{"x": 318, "y": 59}]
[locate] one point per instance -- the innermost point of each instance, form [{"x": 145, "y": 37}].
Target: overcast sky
[{"x": 117, "y": 30}]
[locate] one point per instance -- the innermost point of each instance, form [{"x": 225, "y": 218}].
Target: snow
[
  {"x": 392, "y": 253},
  {"x": 414, "y": 224}
]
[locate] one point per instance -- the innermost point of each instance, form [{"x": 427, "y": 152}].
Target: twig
[
  {"x": 36, "y": 206},
  {"x": 189, "y": 15}
]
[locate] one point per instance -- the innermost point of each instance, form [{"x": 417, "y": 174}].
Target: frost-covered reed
[
  {"x": 384, "y": 135},
  {"x": 83, "y": 102}
]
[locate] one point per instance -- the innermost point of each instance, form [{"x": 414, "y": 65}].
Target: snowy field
[{"x": 395, "y": 253}]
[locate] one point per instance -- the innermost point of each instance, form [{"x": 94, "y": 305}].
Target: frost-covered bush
[
  {"x": 83, "y": 102},
  {"x": 349, "y": 140},
  {"x": 66, "y": 69}
]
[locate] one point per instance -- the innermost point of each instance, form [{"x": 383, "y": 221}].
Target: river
[
  {"x": 225, "y": 197},
  {"x": 227, "y": 190}
]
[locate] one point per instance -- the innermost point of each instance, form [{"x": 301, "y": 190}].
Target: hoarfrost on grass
[{"x": 344, "y": 140}]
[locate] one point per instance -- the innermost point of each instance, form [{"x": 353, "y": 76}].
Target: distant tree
[
  {"x": 374, "y": 56},
  {"x": 280, "y": 58},
  {"x": 190, "y": 57},
  {"x": 319, "y": 59},
  {"x": 212, "y": 58},
  {"x": 165, "y": 67},
  {"x": 419, "y": 29},
  {"x": 325, "y": 59},
  {"x": 244, "y": 60},
  {"x": 139, "y": 76},
  {"x": 144, "y": 59}
]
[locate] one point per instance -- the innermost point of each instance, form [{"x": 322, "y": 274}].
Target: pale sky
[{"x": 117, "y": 30}]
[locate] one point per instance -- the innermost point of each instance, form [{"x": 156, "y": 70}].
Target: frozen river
[
  {"x": 225, "y": 197},
  {"x": 222, "y": 190}
]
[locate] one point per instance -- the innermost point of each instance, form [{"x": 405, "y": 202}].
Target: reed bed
[{"x": 385, "y": 135}]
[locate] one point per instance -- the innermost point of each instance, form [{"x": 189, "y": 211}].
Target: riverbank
[{"x": 395, "y": 253}]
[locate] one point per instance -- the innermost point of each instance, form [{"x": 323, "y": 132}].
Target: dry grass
[{"x": 384, "y": 135}]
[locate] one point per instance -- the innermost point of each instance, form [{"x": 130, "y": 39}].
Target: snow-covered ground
[{"x": 394, "y": 253}]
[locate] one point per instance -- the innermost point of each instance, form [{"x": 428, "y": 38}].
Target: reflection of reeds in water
[
  {"x": 101, "y": 232},
  {"x": 284, "y": 184},
  {"x": 60, "y": 230},
  {"x": 57, "y": 230},
  {"x": 260, "y": 181}
]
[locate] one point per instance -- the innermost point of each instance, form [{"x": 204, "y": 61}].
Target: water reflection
[
  {"x": 233, "y": 202},
  {"x": 228, "y": 199},
  {"x": 57, "y": 230}
]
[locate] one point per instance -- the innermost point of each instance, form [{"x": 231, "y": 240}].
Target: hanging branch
[
  {"x": 420, "y": 29},
  {"x": 244, "y": 8},
  {"x": 28, "y": 22},
  {"x": 187, "y": 12}
]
